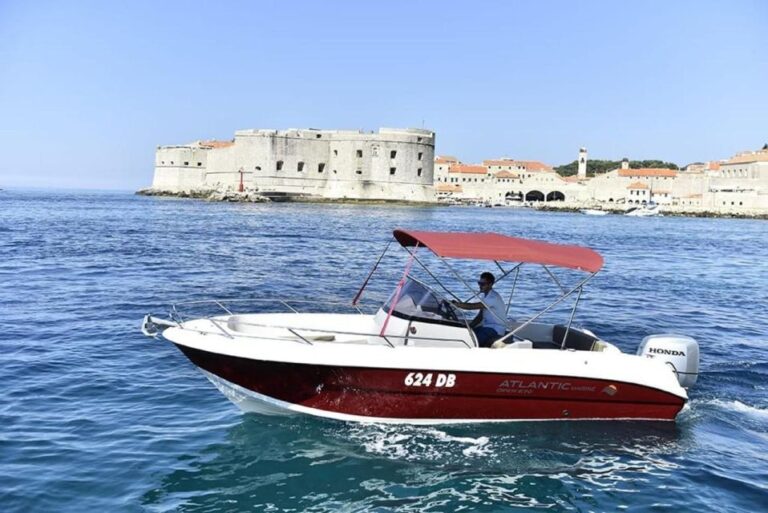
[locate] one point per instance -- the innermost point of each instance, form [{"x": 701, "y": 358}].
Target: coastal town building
[
  {"x": 735, "y": 186},
  {"x": 393, "y": 164}
]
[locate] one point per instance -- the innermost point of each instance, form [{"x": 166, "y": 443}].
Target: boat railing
[
  {"x": 179, "y": 317},
  {"x": 312, "y": 333},
  {"x": 180, "y": 312}
]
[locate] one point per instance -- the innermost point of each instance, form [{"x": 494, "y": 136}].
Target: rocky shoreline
[
  {"x": 254, "y": 196},
  {"x": 247, "y": 196}
]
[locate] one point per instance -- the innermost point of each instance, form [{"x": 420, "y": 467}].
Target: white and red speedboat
[{"x": 417, "y": 361}]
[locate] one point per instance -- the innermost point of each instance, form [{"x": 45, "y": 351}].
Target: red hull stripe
[{"x": 432, "y": 394}]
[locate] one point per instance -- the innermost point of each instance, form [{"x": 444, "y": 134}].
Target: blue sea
[{"x": 96, "y": 417}]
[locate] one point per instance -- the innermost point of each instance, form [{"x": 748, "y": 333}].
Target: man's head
[{"x": 486, "y": 282}]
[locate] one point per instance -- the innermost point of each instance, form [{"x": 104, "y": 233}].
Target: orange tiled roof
[
  {"x": 714, "y": 165},
  {"x": 465, "y": 169},
  {"x": 500, "y": 162},
  {"x": 216, "y": 144},
  {"x": 506, "y": 174},
  {"x": 637, "y": 185},
  {"x": 747, "y": 157},
  {"x": 445, "y": 159},
  {"x": 535, "y": 165},
  {"x": 448, "y": 187},
  {"x": 648, "y": 172},
  {"x": 528, "y": 165}
]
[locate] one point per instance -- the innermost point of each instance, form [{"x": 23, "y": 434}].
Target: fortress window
[
  {"x": 321, "y": 167},
  {"x": 279, "y": 165},
  {"x": 392, "y": 170},
  {"x": 359, "y": 154},
  {"x": 420, "y": 155},
  {"x": 300, "y": 167},
  {"x": 359, "y": 171},
  {"x": 199, "y": 164},
  {"x": 186, "y": 163},
  {"x": 393, "y": 154},
  {"x": 418, "y": 172},
  {"x": 162, "y": 162},
  {"x": 258, "y": 168},
  {"x": 335, "y": 153},
  {"x": 318, "y": 136}
]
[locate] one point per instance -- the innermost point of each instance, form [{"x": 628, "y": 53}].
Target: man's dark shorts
[{"x": 485, "y": 336}]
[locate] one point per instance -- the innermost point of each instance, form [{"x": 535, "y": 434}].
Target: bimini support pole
[
  {"x": 365, "y": 283},
  {"x": 474, "y": 295},
  {"x": 413, "y": 254},
  {"x": 550, "y": 307},
  {"x": 573, "y": 312},
  {"x": 398, "y": 291},
  {"x": 514, "y": 285}
]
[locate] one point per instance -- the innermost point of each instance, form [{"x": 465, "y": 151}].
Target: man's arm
[{"x": 467, "y": 306}]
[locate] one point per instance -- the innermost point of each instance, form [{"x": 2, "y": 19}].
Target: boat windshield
[{"x": 416, "y": 300}]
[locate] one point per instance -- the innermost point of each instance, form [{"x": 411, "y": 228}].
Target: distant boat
[
  {"x": 649, "y": 210},
  {"x": 594, "y": 212}
]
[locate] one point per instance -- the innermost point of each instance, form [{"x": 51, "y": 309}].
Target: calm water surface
[{"x": 94, "y": 416}]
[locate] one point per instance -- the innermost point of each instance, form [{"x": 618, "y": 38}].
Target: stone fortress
[
  {"x": 400, "y": 165},
  {"x": 393, "y": 164}
]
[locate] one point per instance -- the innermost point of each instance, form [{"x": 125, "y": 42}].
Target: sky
[{"x": 88, "y": 90}]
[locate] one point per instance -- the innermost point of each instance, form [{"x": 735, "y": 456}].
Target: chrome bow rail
[{"x": 152, "y": 326}]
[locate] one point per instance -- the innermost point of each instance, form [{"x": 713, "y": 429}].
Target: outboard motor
[{"x": 678, "y": 351}]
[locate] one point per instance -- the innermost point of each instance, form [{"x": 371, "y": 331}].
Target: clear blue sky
[{"x": 89, "y": 89}]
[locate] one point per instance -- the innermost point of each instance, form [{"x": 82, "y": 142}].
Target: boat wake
[
  {"x": 415, "y": 443},
  {"x": 754, "y": 412}
]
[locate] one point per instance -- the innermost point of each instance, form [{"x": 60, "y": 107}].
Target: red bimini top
[{"x": 494, "y": 246}]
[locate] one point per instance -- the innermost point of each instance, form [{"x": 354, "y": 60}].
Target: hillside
[{"x": 595, "y": 167}]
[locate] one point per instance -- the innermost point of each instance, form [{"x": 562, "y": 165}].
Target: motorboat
[
  {"x": 416, "y": 359},
  {"x": 594, "y": 212},
  {"x": 649, "y": 210}
]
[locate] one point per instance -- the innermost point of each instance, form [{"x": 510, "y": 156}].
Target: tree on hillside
[{"x": 596, "y": 167}]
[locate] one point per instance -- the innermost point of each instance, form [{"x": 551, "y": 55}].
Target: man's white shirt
[{"x": 495, "y": 313}]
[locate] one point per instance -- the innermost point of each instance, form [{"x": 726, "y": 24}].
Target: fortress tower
[
  {"x": 582, "y": 163},
  {"x": 625, "y": 163}
]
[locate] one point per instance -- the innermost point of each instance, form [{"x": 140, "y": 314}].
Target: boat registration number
[{"x": 429, "y": 379}]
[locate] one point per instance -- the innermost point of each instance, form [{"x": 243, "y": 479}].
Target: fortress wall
[
  {"x": 179, "y": 168},
  {"x": 323, "y": 163}
]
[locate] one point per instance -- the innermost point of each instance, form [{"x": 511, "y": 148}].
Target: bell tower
[{"x": 582, "y": 163}]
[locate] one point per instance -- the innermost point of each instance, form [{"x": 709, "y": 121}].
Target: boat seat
[{"x": 576, "y": 339}]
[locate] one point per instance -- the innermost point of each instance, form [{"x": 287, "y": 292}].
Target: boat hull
[{"x": 426, "y": 396}]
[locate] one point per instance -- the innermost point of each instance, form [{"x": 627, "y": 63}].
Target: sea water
[{"x": 96, "y": 417}]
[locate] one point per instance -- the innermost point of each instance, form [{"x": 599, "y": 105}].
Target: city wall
[{"x": 393, "y": 164}]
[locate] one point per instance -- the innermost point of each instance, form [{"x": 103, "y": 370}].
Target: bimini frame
[{"x": 499, "y": 248}]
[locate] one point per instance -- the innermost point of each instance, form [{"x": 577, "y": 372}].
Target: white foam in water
[
  {"x": 477, "y": 446},
  {"x": 417, "y": 443},
  {"x": 738, "y": 406}
]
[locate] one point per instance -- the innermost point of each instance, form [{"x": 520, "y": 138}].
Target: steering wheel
[{"x": 445, "y": 309}]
